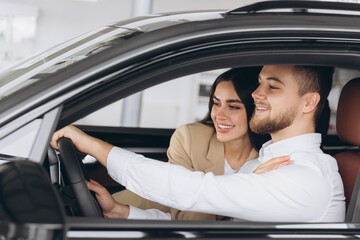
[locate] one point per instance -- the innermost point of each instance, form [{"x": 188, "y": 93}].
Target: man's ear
[{"x": 312, "y": 99}]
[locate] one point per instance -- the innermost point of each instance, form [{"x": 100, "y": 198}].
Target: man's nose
[{"x": 259, "y": 93}]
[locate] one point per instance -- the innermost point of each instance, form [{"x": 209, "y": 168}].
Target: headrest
[{"x": 348, "y": 113}]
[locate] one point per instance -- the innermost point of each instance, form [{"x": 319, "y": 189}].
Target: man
[{"x": 288, "y": 102}]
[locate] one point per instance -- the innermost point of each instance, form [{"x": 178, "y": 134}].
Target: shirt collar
[{"x": 287, "y": 146}]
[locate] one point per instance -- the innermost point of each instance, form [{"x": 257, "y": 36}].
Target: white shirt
[
  {"x": 137, "y": 213},
  {"x": 246, "y": 168},
  {"x": 310, "y": 190}
]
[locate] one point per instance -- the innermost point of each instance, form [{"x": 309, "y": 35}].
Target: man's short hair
[{"x": 315, "y": 79}]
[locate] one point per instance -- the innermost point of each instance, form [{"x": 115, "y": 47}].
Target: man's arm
[
  {"x": 148, "y": 214},
  {"x": 84, "y": 143},
  {"x": 292, "y": 193},
  {"x": 113, "y": 209},
  {"x": 179, "y": 153}
]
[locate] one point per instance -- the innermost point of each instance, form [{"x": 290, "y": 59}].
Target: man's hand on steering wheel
[
  {"x": 111, "y": 209},
  {"x": 83, "y": 143}
]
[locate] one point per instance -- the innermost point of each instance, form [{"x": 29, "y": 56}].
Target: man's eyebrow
[{"x": 272, "y": 79}]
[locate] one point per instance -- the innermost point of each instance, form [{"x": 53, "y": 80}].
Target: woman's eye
[
  {"x": 273, "y": 87},
  {"x": 234, "y": 107},
  {"x": 216, "y": 104}
]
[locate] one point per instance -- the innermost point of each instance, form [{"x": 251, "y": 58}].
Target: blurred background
[{"x": 29, "y": 26}]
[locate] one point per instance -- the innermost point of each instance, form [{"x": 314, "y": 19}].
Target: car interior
[
  {"x": 347, "y": 125},
  {"x": 153, "y": 142},
  {"x": 335, "y": 142},
  {"x": 342, "y": 143}
]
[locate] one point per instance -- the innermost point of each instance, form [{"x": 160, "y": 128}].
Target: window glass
[
  {"x": 184, "y": 100},
  {"x": 19, "y": 143},
  {"x": 166, "y": 105}
]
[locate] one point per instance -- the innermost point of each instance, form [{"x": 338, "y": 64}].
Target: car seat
[
  {"x": 323, "y": 123},
  {"x": 348, "y": 128}
]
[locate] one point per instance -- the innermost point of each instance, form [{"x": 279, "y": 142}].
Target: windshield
[{"x": 40, "y": 65}]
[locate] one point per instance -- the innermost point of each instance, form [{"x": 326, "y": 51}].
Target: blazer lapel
[{"x": 215, "y": 156}]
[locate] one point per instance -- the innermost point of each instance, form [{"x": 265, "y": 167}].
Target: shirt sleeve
[
  {"x": 179, "y": 153},
  {"x": 153, "y": 214},
  {"x": 280, "y": 195}
]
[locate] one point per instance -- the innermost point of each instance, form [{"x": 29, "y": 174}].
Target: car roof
[{"x": 329, "y": 6}]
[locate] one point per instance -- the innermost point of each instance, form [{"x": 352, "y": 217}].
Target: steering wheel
[{"x": 74, "y": 167}]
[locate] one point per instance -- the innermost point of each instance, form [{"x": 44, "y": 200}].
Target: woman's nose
[{"x": 221, "y": 114}]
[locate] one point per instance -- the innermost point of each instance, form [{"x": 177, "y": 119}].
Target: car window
[
  {"x": 24, "y": 137},
  {"x": 166, "y": 105},
  {"x": 185, "y": 100}
]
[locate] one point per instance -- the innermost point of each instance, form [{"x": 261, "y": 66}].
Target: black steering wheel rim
[{"x": 73, "y": 166}]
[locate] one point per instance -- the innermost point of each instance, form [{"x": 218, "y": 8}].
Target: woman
[{"x": 220, "y": 143}]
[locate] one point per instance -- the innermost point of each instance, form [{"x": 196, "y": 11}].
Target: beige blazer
[{"x": 195, "y": 147}]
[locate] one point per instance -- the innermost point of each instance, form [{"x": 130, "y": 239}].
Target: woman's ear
[{"x": 312, "y": 99}]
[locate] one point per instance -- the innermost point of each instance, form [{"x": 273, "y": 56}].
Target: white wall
[{"x": 60, "y": 20}]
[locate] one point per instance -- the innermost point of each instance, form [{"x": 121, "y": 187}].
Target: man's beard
[{"x": 269, "y": 126}]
